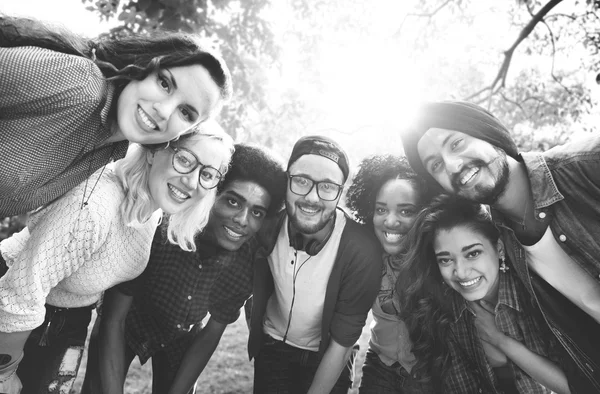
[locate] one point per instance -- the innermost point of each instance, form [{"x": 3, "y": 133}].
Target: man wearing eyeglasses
[{"x": 314, "y": 290}]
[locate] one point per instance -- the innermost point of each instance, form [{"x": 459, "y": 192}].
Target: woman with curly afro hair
[{"x": 387, "y": 195}]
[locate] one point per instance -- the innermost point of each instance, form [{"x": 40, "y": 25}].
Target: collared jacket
[
  {"x": 352, "y": 287},
  {"x": 565, "y": 182}
]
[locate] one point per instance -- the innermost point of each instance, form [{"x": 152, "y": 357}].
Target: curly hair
[
  {"x": 425, "y": 303},
  {"x": 123, "y": 58},
  {"x": 374, "y": 172},
  {"x": 261, "y": 166},
  {"x": 133, "y": 172}
]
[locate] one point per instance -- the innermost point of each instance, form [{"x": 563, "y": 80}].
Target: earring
[{"x": 503, "y": 266}]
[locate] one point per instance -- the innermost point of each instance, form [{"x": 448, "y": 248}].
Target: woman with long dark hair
[
  {"x": 69, "y": 105},
  {"x": 472, "y": 322}
]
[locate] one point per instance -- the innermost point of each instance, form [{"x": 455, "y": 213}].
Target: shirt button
[
  {"x": 179, "y": 326},
  {"x": 562, "y": 238},
  {"x": 542, "y": 215},
  {"x": 200, "y": 266},
  {"x": 189, "y": 297},
  {"x": 162, "y": 345}
]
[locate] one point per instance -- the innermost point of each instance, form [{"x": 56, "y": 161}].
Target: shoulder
[
  {"x": 359, "y": 239},
  {"x": 577, "y": 151}
]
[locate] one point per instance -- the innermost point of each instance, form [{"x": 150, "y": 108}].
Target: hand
[
  {"x": 485, "y": 323},
  {"x": 11, "y": 386}
]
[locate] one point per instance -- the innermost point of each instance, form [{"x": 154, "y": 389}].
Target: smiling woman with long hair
[{"x": 473, "y": 324}]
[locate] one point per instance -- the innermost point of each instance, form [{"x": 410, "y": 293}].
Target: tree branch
[
  {"x": 500, "y": 79},
  {"x": 428, "y": 15}
]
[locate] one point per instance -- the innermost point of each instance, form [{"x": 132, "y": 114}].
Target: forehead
[
  {"x": 252, "y": 192},
  {"x": 317, "y": 168},
  {"x": 210, "y": 151},
  {"x": 457, "y": 237},
  {"x": 196, "y": 86},
  {"x": 398, "y": 191}
]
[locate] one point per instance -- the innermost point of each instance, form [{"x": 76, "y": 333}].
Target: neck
[
  {"x": 517, "y": 199},
  {"x": 115, "y": 136}
]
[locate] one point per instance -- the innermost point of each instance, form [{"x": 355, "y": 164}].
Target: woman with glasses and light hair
[{"x": 97, "y": 235}]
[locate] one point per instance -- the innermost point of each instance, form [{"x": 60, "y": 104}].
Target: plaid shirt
[
  {"x": 470, "y": 371},
  {"x": 179, "y": 288}
]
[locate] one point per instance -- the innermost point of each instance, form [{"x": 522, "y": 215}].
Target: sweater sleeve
[
  {"x": 359, "y": 285},
  {"x": 62, "y": 237}
]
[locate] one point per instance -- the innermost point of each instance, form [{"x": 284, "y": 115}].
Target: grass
[{"x": 228, "y": 372}]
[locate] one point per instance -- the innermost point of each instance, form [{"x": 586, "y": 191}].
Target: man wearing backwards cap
[
  {"x": 313, "y": 292},
  {"x": 547, "y": 208}
]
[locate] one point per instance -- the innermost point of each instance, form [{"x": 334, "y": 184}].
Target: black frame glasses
[
  {"x": 208, "y": 177},
  {"x": 310, "y": 185}
]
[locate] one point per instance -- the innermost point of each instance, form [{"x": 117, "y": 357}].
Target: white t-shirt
[{"x": 310, "y": 284}]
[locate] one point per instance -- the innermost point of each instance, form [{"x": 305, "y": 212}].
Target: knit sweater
[
  {"x": 69, "y": 254},
  {"x": 54, "y": 117}
]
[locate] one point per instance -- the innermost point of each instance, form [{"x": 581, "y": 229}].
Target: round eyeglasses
[
  {"x": 185, "y": 161},
  {"x": 301, "y": 185}
]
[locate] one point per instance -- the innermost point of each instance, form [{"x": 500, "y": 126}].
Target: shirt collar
[{"x": 544, "y": 189}]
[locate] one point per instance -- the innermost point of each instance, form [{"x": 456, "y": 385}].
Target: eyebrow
[
  {"x": 322, "y": 180},
  {"x": 243, "y": 199},
  {"x": 464, "y": 249},
  {"x": 174, "y": 81}
]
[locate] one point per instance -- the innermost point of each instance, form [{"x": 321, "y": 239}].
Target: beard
[
  {"x": 306, "y": 227},
  {"x": 486, "y": 194}
]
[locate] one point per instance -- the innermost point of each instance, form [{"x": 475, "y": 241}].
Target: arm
[
  {"x": 329, "y": 370},
  {"x": 538, "y": 367},
  {"x": 111, "y": 340},
  {"x": 197, "y": 356}
]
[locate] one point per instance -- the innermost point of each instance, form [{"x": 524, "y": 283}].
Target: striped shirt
[
  {"x": 54, "y": 112},
  {"x": 470, "y": 371}
]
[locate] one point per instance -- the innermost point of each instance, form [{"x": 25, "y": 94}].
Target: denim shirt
[{"x": 565, "y": 182}]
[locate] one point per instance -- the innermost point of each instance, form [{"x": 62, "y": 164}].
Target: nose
[
  {"x": 462, "y": 269},
  {"x": 192, "y": 180},
  {"x": 453, "y": 163},
  {"x": 164, "y": 108},
  {"x": 312, "y": 195},
  {"x": 391, "y": 221},
  {"x": 242, "y": 217}
]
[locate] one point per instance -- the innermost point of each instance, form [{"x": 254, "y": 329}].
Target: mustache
[{"x": 455, "y": 181}]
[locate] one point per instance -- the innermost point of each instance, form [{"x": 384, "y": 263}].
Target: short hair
[
  {"x": 124, "y": 58},
  {"x": 261, "y": 166},
  {"x": 133, "y": 172},
  {"x": 373, "y": 173}
]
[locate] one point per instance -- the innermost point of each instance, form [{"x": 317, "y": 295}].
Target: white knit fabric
[{"x": 68, "y": 256}]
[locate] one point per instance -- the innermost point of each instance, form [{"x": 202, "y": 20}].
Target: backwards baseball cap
[
  {"x": 322, "y": 146},
  {"x": 460, "y": 116}
]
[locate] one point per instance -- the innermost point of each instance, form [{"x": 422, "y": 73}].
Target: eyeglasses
[
  {"x": 301, "y": 185},
  {"x": 185, "y": 161}
]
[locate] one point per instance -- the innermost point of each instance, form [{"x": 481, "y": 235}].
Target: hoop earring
[{"x": 503, "y": 266}]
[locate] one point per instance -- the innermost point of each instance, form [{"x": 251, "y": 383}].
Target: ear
[
  {"x": 500, "y": 247},
  {"x": 150, "y": 156}
]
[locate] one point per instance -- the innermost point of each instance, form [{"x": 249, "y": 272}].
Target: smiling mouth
[
  {"x": 308, "y": 210},
  {"x": 178, "y": 194},
  {"x": 392, "y": 237},
  {"x": 146, "y": 119},
  {"x": 471, "y": 282},
  {"x": 469, "y": 175},
  {"x": 233, "y": 234}
]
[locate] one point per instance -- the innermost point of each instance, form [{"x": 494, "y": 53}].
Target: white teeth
[
  {"x": 469, "y": 175},
  {"x": 232, "y": 233},
  {"x": 308, "y": 210},
  {"x": 470, "y": 282},
  {"x": 392, "y": 237},
  {"x": 178, "y": 193},
  {"x": 147, "y": 121}
]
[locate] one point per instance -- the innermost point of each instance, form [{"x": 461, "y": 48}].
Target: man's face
[
  {"x": 238, "y": 213},
  {"x": 464, "y": 165},
  {"x": 309, "y": 214}
]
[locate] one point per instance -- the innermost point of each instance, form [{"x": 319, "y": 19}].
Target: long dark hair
[
  {"x": 425, "y": 303},
  {"x": 126, "y": 58}
]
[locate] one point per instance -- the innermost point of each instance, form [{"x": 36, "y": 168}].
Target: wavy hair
[
  {"x": 425, "y": 302},
  {"x": 133, "y": 172},
  {"x": 374, "y": 172},
  {"x": 123, "y": 58}
]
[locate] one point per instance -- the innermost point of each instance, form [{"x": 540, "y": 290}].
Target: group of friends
[{"x": 480, "y": 264}]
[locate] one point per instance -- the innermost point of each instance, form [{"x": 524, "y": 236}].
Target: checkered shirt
[
  {"x": 470, "y": 371},
  {"x": 54, "y": 112},
  {"x": 179, "y": 288}
]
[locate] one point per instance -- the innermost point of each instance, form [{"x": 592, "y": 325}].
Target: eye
[
  {"x": 258, "y": 214},
  {"x": 380, "y": 210},
  {"x": 435, "y": 166},
  {"x": 233, "y": 202},
  {"x": 184, "y": 160},
  {"x": 207, "y": 175},
  {"x": 473, "y": 254},
  {"x": 301, "y": 181},
  {"x": 444, "y": 261},
  {"x": 326, "y": 186},
  {"x": 407, "y": 212},
  {"x": 164, "y": 83},
  {"x": 456, "y": 143},
  {"x": 187, "y": 115}
]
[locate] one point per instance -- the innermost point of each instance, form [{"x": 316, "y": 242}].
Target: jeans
[
  {"x": 280, "y": 368},
  {"x": 53, "y": 351},
  {"x": 379, "y": 378}
]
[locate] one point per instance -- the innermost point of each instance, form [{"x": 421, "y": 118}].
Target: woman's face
[
  {"x": 468, "y": 262},
  {"x": 396, "y": 208},
  {"x": 165, "y": 104},
  {"x": 172, "y": 191}
]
